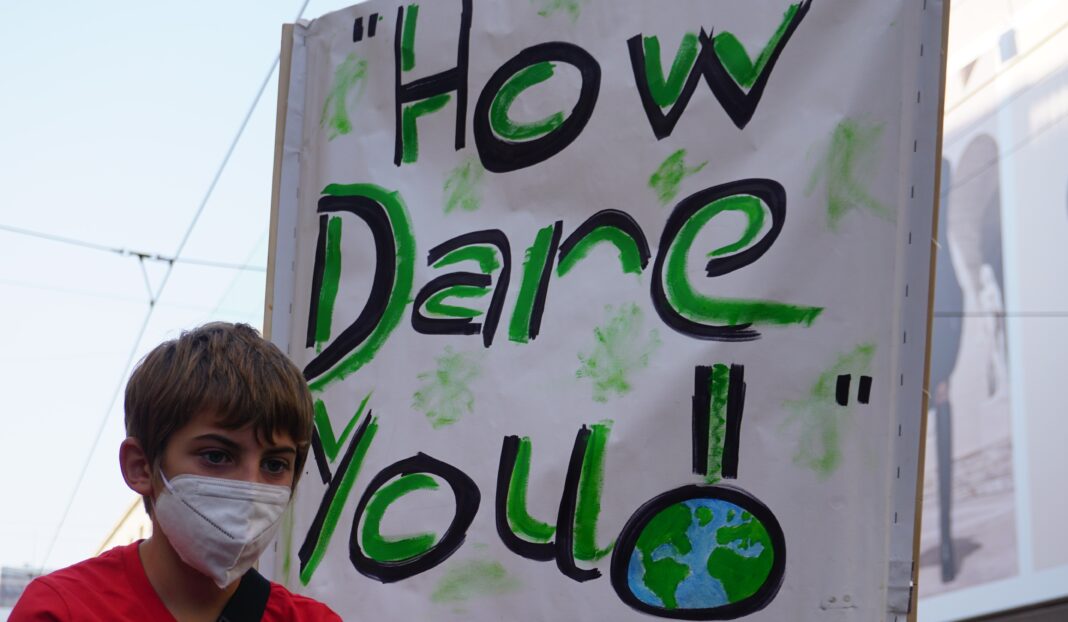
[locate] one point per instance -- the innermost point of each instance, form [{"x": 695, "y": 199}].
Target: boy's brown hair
[{"x": 229, "y": 369}]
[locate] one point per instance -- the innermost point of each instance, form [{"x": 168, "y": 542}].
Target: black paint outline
[
  {"x": 494, "y": 237},
  {"x": 864, "y": 390},
  {"x": 773, "y": 195},
  {"x": 741, "y": 105},
  {"x": 447, "y": 326},
  {"x": 663, "y": 124},
  {"x": 536, "y": 551},
  {"x": 319, "y": 453},
  {"x": 537, "y": 308},
  {"x": 616, "y": 219},
  {"x": 565, "y": 518},
  {"x": 375, "y": 216},
  {"x": 841, "y": 389},
  {"x": 467, "y": 497},
  {"x": 311, "y": 539},
  {"x": 318, "y": 268},
  {"x": 454, "y": 79},
  {"x": 701, "y": 416},
  {"x": 502, "y": 156}
]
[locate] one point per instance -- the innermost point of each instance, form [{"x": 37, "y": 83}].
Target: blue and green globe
[{"x": 700, "y": 553}]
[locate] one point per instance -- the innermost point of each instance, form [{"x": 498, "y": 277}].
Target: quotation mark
[
  {"x": 357, "y": 27},
  {"x": 841, "y": 390}
]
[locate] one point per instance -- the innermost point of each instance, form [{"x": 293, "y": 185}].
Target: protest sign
[{"x": 611, "y": 310}]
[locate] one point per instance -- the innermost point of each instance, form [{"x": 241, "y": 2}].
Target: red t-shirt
[{"x": 113, "y": 586}]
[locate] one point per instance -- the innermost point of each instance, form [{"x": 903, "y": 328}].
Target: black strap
[{"x": 249, "y": 601}]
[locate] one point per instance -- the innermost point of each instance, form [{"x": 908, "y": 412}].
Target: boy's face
[{"x": 203, "y": 447}]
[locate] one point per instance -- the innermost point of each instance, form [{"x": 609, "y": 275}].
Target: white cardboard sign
[{"x": 611, "y": 310}]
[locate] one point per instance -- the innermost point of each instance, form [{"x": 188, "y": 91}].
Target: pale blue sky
[{"x": 115, "y": 116}]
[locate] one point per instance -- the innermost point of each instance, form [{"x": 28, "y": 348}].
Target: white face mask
[{"x": 219, "y": 526}]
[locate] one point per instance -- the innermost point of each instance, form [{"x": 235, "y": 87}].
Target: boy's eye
[
  {"x": 215, "y": 456},
  {"x": 275, "y": 466}
]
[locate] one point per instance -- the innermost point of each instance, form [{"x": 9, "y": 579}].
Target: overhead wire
[
  {"x": 154, "y": 296},
  {"x": 233, "y": 282},
  {"x": 125, "y": 252}
]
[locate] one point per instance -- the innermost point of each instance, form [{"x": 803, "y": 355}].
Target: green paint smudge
[
  {"x": 519, "y": 517},
  {"x": 331, "y": 445},
  {"x": 622, "y": 348},
  {"x": 348, "y": 77},
  {"x": 547, "y": 8},
  {"x": 409, "y": 129},
  {"x": 533, "y": 266},
  {"x": 383, "y": 549},
  {"x": 666, "y": 92},
  {"x": 473, "y": 579},
  {"x": 400, "y": 292},
  {"x": 331, "y": 281},
  {"x": 736, "y": 59},
  {"x": 630, "y": 258},
  {"x": 503, "y": 125},
  {"x": 446, "y": 394},
  {"x": 849, "y": 164},
  {"x": 704, "y": 515},
  {"x": 665, "y": 181},
  {"x": 333, "y": 513},
  {"x": 820, "y": 418},
  {"x": 463, "y": 187},
  {"x": 728, "y": 311},
  {"x": 717, "y": 422}
]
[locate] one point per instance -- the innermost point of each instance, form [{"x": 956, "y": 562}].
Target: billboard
[{"x": 994, "y": 510}]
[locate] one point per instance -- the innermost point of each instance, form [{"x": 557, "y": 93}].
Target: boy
[{"x": 218, "y": 426}]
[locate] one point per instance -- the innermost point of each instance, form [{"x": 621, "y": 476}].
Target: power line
[
  {"x": 103, "y": 295},
  {"x": 99, "y": 433},
  {"x": 163, "y": 284},
  {"x": 233, "y": 281},
  {"x": 125, "y": 252}
]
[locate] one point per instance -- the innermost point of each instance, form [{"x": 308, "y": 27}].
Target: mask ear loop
[
  {"x": 157, "y": 467},
  {"x": 167, "y": 483}
]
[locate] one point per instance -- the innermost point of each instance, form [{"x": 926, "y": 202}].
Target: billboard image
[{"x": 969, "y": 530}]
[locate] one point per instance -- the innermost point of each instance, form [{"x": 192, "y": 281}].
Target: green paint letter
[
  {"x": 697, "y": 307},
  {"x": 591, "y": 487},
  {"x": 519, "y": 517},
  {"x": 503, "y": 125},
  {"x": 409, "y": 130},
  {"x": 382, "y": 549},
  {"x": 322, "y": 373},
  {"x": 666, "y": 92}
]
